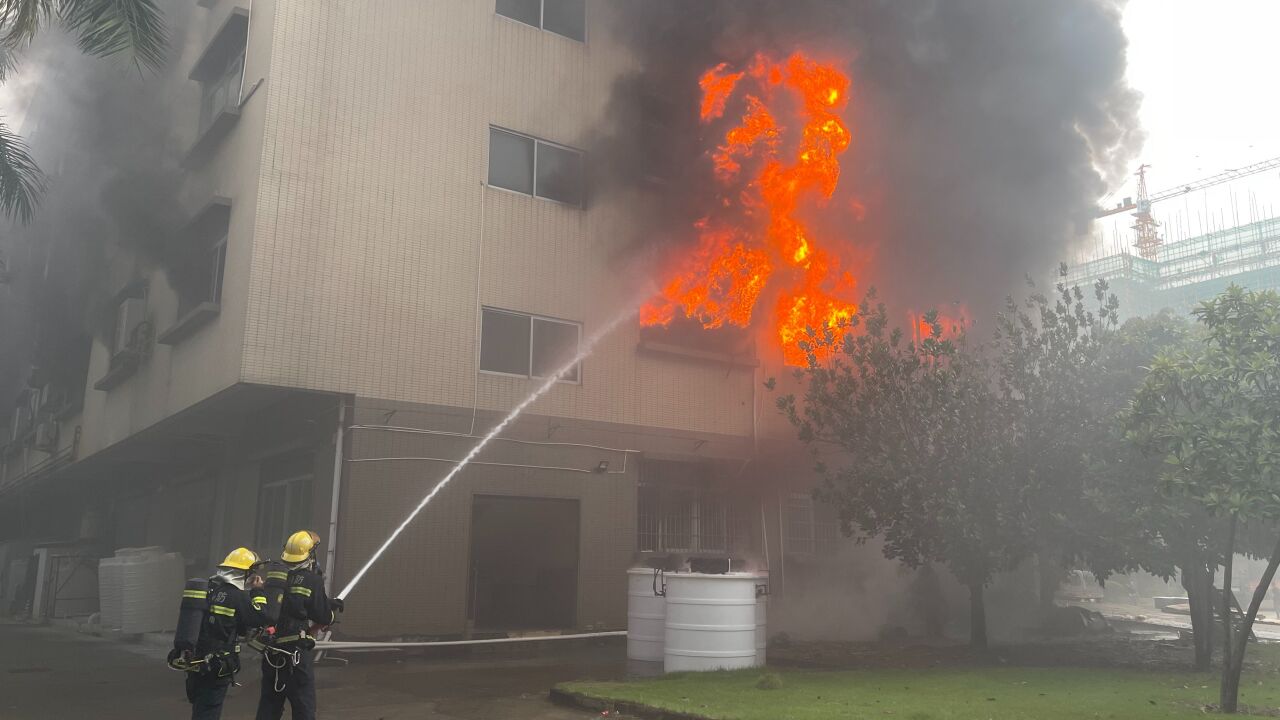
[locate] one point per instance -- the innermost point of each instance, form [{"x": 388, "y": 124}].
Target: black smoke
[
  {"x": 983, "y": 130},
  {"x": 102, "y": 130}
]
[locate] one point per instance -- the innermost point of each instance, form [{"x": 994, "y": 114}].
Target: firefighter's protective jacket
[{"x": 305, "y": 603}]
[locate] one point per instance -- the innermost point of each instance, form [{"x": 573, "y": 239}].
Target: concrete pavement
[{"x": 56, "y": 674}]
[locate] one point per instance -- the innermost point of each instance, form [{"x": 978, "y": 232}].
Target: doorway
[{"x": 524, "y": 563}]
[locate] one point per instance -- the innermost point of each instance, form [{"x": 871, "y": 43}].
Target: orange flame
[
  {"x": 952, "y": 324},
  {"x": 721, "y": 280}
]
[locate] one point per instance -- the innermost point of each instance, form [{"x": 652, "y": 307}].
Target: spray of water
[{"x": 550, "y": 382}]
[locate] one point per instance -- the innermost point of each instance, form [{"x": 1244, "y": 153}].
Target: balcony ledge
[
  {"x": 188, "y": 324},
  {"x": 124, "y": 364},
  {"x": 702, "y": 355},
  {"x": 212, "y": 135}
]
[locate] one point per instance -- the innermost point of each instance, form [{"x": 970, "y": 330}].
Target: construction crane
[{"x": 1146, "y": 228}]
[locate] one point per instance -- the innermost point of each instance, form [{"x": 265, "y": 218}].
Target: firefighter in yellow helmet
[
  {"x": 287, "y": 672},
  {"x": 215, "y": 615}
]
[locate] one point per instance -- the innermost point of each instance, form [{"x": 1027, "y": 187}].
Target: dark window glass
[
  {"x": 219, "y": 266},
  {"x": 526, "y": 11},
  {"x": 504, "y": 342},
  {"x": 554, "y": 344},
  {"x": 565, "y": 17},
  {"x": 284, "y": 502},
  {"x": 559, "y": 174},
  {"x": 510, "y": 161}
]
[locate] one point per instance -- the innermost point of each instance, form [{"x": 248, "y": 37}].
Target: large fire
[{"x": 792, "y": 107}]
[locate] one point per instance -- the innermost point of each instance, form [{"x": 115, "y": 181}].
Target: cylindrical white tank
[
  {"x": 711, "y": 622},
  {"x": 646, "y": 617}
]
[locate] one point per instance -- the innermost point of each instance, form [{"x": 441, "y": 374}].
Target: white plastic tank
[
  {"x": 150, "y": 589},
  {"x": 711, "y": 622},
  {"x": 111, "y": 584},
  {"x": 109, "y": 592},
  {"x": 646, "y": 616}
]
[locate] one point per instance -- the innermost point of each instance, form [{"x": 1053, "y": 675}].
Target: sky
[{"x": 1206, "y": 71}]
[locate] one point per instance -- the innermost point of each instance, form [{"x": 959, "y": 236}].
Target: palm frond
[
  {"x": 20, "y": 20},
  {"x": 8, "y": 61},
  {"x": 21, "y": 181},
  {"x": 108, "y": 27}
]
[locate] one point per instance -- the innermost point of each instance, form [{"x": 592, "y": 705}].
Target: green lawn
[{"x": 957, "y": 693}]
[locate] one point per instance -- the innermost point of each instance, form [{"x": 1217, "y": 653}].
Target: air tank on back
[
  {"x": 276, "y": 581},
  {"x": 191, "y": 611}
]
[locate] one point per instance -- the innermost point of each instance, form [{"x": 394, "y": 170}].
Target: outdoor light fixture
[{"x": 603, "y": 466}]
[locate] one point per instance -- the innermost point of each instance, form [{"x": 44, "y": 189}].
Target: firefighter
[
  {"x": 287, "y": 671},
  {"x": 214, "y": 616}
]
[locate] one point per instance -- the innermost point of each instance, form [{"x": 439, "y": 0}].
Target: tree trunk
[
  {"x": 1198, "y": 582},
  {"x": 1227, "y": 694},
  {"x": 1235, "y": 663},
  {"x": 1050, "y": 577},
  {"x": 977, "y": 617}
]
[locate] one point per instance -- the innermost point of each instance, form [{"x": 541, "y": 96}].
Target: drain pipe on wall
[{"x": 331, "y": 553}]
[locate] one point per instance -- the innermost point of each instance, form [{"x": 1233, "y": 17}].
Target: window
[
  {"x": 209, "y": 264},
  {"x": 678, "y": 510},
  {"x": 518, "y": 344},
  {"x": 562, "y": 17},
  {"x": 284, "y": 500},
  {"x": 681, "y": 519},
  {"x": 222, "y": 92},
  {"x": 807, "y": 532},
  {"x": 535, "y": 167}
]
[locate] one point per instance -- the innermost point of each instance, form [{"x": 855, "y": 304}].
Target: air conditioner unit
[
  {"x": 47, "y": 435},
  {"x": 129, "y": 315}
]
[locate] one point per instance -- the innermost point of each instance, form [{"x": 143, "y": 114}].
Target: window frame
[
  {"x": 582, "y": 164},
  {"x": 699, "y": 506},
  {"x": 286, "y": 485},
  {"x": 217, "y": 268},
  {"x": 817, "y": 542},
  {"x": 542, "y": 21},
  {"x": 531, "y": 317}
]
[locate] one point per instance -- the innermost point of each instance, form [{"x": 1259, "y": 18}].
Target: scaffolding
[{"x": 1190, "y": 271}]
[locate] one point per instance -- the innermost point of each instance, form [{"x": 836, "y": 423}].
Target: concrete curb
[{"x": 581, "y": 701}]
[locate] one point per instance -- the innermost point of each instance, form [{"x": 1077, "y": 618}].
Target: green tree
[
  {"x": 911, "y": 448},
  {"x": 1212, "y": 415},
  {"x": 1049, "y": 352},
  {"x": 1130, "y": 522},
  {"x": 101, "y": 28}
]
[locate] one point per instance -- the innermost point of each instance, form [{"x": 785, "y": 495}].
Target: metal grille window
[
  {"x": 514, "y": 343},
  {"x": 535, "y": 167},
  {"x": 681, "y": 519},
  {"x": 807, "y": 532},
  {"x": 562, "y": 17}
]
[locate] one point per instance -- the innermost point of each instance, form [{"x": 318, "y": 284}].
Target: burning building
[{"x": 375, "y": 227}]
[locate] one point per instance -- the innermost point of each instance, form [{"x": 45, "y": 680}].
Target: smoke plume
[
  {"x": 983, "y": 131},
  {"x": 103, "y": 133}
]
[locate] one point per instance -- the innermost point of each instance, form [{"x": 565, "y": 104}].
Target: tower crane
[{"x": 1146, "y": 228}]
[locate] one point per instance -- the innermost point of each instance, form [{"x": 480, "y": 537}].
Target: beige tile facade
[{"x": 363, "y": 244}]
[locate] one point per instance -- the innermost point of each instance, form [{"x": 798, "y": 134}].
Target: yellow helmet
[
  {"x": 241, "y": 559},
  {"x": 299, "y": 546}
]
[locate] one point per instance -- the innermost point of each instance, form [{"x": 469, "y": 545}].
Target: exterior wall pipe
[
  {"x": 592, "y": 471},
  {"x": 331, "y": 553},
  {"x": 422, "y": 431}
]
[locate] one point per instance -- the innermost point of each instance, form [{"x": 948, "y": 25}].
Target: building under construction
[{"x": 1189, "y": 271}]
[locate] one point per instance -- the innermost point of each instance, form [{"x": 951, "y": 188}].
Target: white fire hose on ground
[{"x": 324, "y": 645}]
